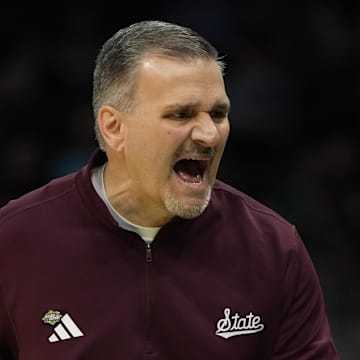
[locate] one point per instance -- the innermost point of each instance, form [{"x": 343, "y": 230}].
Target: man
[{"x": 143, "y": 254}]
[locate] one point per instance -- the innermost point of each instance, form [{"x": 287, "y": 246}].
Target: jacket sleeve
[
  {"x": 7, "y": 340},
  {"x": 304, "y": 331}
]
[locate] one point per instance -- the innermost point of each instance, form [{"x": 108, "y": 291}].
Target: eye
[
  {"x": 218, "y": 115},
  {"x": 183, "y": 114}
]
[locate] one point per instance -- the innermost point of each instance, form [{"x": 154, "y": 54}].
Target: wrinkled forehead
[
  {"x": 158, "y": 60},
  {"x": 165, "y": 78}
]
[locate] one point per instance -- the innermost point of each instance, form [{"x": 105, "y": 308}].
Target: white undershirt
[{"x": 147, "y": 233}]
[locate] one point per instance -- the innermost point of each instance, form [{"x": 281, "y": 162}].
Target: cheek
[
  {"x": 153, "y": 154},
  {"x": 155, "y": 147},
  {"x": 225, "y": 130}
]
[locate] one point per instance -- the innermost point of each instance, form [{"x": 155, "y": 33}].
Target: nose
[{"x": 205, "y": 131}]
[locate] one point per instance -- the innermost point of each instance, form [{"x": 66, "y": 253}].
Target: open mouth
[{"x": 190, "y": 171}]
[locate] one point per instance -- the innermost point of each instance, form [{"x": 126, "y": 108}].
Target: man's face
[{"x": 176, "y": 134}]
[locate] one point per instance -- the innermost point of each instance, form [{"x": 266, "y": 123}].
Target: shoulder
[
  {"x": 228, "y": 198},
  {"x": 38, "y": 200},
  {"x": 57, "y": 197},
  {"x": 240, "y": 216}
]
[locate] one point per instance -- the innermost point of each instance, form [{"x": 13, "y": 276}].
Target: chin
[{"x": 186, "y": 210}]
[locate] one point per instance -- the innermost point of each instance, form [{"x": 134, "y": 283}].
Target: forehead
[{"x": 164, "y": 80}]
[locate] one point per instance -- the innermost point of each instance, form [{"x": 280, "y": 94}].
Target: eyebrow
[
  {"x": 219, "y": 106},
  {"x": 222, "y": 106}
]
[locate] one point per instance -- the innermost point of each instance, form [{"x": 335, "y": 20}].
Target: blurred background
[{"x": 293, "y": 77}]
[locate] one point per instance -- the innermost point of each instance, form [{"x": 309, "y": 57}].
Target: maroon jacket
[{"x": 234, "y": 283}]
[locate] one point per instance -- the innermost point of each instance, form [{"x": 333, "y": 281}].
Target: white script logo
[{"x": 232, "y": 325}]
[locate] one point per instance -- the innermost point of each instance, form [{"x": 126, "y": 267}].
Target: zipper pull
[{"x": 148, "y": 252}]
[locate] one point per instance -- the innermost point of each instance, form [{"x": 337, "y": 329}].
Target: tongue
[{"x": 188, "y": 170}]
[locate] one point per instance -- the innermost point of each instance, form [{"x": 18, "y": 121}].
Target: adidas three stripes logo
[{"x": 65, "y": 329}]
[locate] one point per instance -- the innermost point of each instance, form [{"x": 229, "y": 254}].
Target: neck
[{"x": 131, "y": 205}]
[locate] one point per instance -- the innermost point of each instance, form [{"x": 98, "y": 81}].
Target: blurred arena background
[{"x": 294, "y": 82}]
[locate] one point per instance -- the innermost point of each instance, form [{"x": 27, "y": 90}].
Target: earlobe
[{"x": 111, "y": 127}]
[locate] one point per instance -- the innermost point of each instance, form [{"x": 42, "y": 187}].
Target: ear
[{"x": 110, "y": 121}]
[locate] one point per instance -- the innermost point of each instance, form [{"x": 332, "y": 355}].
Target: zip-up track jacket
[{"x": 236, "y": 283}]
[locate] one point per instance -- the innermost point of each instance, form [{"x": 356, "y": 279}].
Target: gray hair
[{"x": 119, "y": 57}]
